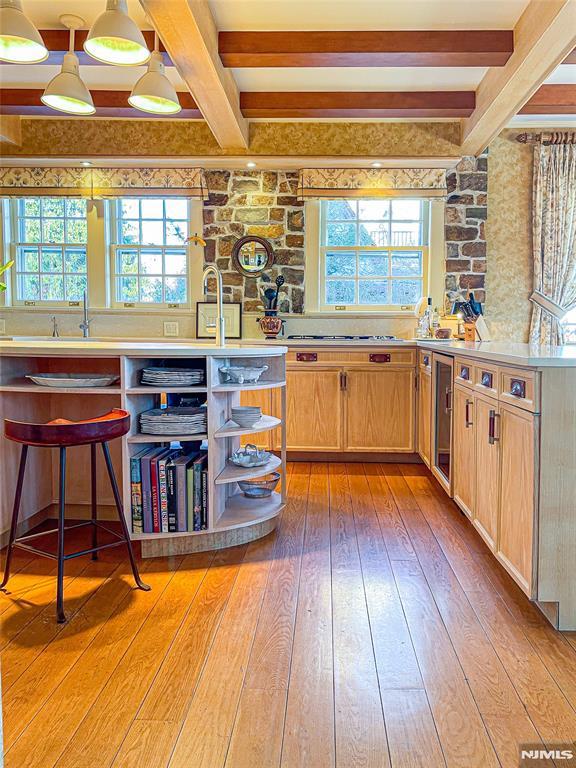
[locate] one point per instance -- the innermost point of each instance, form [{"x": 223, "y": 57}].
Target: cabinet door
[
  {"x": 464, "y": 450},
  {"x": 424, "y": 415},
  {"x": 518, "y": 440},
  {"x": 263, "y": 398},
  {"x": 487, "y": 469},
  {"x": 380, "y": 406},
  {"x": 314, "y": 409}
]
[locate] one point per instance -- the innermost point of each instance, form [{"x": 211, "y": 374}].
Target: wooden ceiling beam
[
  {"x": 543, "y": 37},
  {"x": 571, "y": 58},
  {"x": 189, "y": 33},
  {"x": 57, "y": 40},
  {"x": 26, "y": 101},
  {"x": 358, "y": 104},
  {"x": 552, "y": 100},
  {"x": 454, "y": 48}
]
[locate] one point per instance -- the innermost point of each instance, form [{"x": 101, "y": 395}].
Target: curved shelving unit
[
  {"x": 231, "y": 429},
  {"x": 247, "y": 387},
  {"x": 232, "y": 474}
]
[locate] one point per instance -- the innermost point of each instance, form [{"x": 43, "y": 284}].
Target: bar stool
[{"x": 63, "y": 434}]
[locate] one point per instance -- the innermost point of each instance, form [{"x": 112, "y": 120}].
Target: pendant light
[
  {"x": 20, "y": 41},
  {"x": 115, "y": 38},
  {"x": 154, "y": 92},
  {"x": 66, "y": 92}
]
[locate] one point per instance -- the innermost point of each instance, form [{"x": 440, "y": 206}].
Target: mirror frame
[{"x": 236, "y": 255}]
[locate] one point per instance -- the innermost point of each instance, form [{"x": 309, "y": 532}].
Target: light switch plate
[
  {"x": 171, "y": 328},
  {"x": 2, "y": 327}
]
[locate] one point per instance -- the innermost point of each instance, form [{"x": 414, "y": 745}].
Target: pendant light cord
[{"x": 71, "y": 45}]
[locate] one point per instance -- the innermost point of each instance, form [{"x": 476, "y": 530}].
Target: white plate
[{"x": 72, "y": 380}]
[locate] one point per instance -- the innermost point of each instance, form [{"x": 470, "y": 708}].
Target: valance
[
  {"x": 102, "y": 182},
  {"x": 372, "y": 182}
]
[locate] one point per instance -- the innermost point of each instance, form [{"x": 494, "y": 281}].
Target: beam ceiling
[{"x": 552, "y": 100}]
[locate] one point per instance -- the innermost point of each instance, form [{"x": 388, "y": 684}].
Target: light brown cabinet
[
  {"x": 464, "y": 452},
  {"x": 424, "y": 412},
  {"x": 487, "y": 469},
  {"x": 314, "y": 409}
]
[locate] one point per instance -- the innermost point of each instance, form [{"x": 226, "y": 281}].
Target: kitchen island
[{"x": 232, "y": 517}]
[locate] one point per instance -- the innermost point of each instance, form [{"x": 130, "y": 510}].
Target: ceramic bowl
[{"x": 242, "y": 374}]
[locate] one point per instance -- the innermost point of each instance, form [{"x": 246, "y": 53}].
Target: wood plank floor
[{"x": 372, "y": 629}]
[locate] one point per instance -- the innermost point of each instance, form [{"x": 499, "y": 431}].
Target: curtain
[
  {"x": 102, "y": 182},
  {"x": 371, "y": 182},
  {"x": 554, "y": 239}
]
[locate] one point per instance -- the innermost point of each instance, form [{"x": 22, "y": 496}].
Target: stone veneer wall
[
  {"x": 262, "y": 203},
  {"x": 465, "y": 223}
]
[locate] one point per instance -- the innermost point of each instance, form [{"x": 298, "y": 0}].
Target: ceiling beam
[
  {"x": 358, "y": 104},
  {"x": 571, "y": 58},
  {"x": 57, "y": 41},
  {"x": 26, "y": 101},
  {"x": 10, "y": 130},
  {"x": 461, "y": 48},
  {"x": 543, "y": 37},
  {"x": 189, "y": 33},
  {"x": 552, "y": 100}
]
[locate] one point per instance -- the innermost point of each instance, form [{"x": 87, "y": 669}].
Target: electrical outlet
[
  {"x": 2, "y": 327},
  {"x": 171, "y": 328}
]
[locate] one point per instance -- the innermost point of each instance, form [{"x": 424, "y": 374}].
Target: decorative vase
[{"x": 271, "y": 324}]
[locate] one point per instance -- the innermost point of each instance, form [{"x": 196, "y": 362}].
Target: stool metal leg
[
  {"x": 61, "y": 616},
  {"x": 15, "y": 512},
  {"x": 93, "y": 499},
  {"x": 119, "y": 508}
]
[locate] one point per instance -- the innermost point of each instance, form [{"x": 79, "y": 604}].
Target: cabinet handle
[
  {"x": 343, "y": 380},
  {"x": 380, "y": 358},
  {"x": 518, "y": 388},
  {"x": 426, "y": 360},
  {"x": 306, "y": 357},
  {"x": 492, "y": 416},
  {"x": 467, "y": 415},
  {"x": 448, "y": 403}
]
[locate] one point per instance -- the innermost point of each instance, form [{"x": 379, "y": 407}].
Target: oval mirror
[{"x": 252, "y": 255}]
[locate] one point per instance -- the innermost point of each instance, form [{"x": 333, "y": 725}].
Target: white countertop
[
  {"x": 104, "y": 348},
  {"x": 512, "y": 353}
]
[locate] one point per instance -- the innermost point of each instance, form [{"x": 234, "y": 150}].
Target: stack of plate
[
  {"x": 172, "y": 377},
  {"x": 174, "y": 421},
  {"x": 246, "y": 415}
]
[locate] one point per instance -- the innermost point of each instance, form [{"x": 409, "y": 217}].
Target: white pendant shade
[
  {"x": 20, "y": 41},
  {"x": 66, "y": 92},
  {"x": 115, "y": 38},
  {"x": 154, "y": 92}
]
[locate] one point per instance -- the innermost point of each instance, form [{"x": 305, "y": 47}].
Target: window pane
[
  {"x": 76, "y": 208},
  {"x": 31, "y": 207},
  {"x": 52, "y": 288},
  {"x": 75, "y": 287},
  {"x": 151, "y": 289},
  {"x": 75, "y": 260},
  {"x": 340, "y": 292},
  {"x": 176, "y": 208},
  {"x": 374, "y": 210},
  {"x": 341, "y": 234},
  {"x": 406, "y": 291},
  {"x": 406, "y": 263},
  {"x": 340, "y": 209},
  {"x": 128, "y": 289},
  {"x": 51, "y": 260},
  {"x": 405, "y": 233},
  {"x": 130, "y": 208},
  {"x": 76, "y": 231},
  {"x": 373, "y": 291},
  {"x": 128, "y": 262},
  {"x": 373, "y": 233},
  {"x": 151, "y": 262},
  {"x": 31, "y": 231},
  {"x": 130, "y": 232},
  {"x": 176, "y": 289},
  {"x": 53, "y": 230},
  {"x": 338, "y": 264},
  {"x": 176, "y": 232},
  {"x": 373, "y": 264},
  {"x": 152, "y": 232},
  {"x": 406, "y": 209},
  {"x": 28, "y": 288},
  {"x": 175, "y": 262},
  {"x": 52, "y": 206},
  {"x": 27, "y": 260},
  {"x": 152, "y": 208}
]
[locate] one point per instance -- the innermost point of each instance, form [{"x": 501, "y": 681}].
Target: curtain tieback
[{"x": 548, "y": 304}]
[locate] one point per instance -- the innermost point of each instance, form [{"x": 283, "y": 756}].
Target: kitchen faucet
[
  {"x": 55, "y": 331},
  {"x": 85, "y": 324},
  {"x": 220, "y": 338}
]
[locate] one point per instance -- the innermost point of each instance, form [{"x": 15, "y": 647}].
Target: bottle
[
  {"x": 435, "y": 322},
  {"x": 428, "y": 318}
]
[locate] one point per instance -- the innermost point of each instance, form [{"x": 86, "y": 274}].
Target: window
[
  {"x": 373, "y": 253},
  {"x": 50, "y": 240},
  {"x": 149, "y": 252}
]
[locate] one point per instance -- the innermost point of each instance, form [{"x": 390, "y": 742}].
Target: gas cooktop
[{"x": 344, "y": 338}]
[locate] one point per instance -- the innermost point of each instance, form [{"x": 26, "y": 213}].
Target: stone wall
[
  {"x": 465, "y": 223},
  {"x": 262, "y": 203}
]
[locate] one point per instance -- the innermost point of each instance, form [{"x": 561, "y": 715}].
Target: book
[
  {"x": 198, "y": 466},
  {"x": 204, "y": 513},
  {"x": 146, "y": 478},
  {"x": 190, "y": 497},
  {"x": 136, "y": 492},
  {"x": 155, "y": 484},
  {"x": 171, "y": 493},
  {"x": 163, "y": 462},
  {"x": 181, "y": 464}
]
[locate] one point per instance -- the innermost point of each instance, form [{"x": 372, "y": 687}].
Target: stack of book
[{"x": 169, "y": 490}]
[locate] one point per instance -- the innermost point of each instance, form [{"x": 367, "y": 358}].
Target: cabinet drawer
[
  {"x": 519, "y": 387},
  {"x": 425, "y": 359},
  {"x": 464, "y": 372},
  {"x": 380, "y": 356},
  {"x": 486, "y": 379}
]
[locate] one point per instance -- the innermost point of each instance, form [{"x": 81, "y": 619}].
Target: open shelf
[
  {"x": 142, "y": 438},
  {"x": 146, "y": 390},
  {"x": 231, "y": 429},
  {"x": 28, "y": 387},
  {"x": 247, "y": 387},
  {"x": 232, "y": 474},
  {"x": 240, "y": 510}
]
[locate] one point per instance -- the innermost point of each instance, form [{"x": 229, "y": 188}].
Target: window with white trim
[
  {"x": 373, "y": 253},
  {"x": 50, "y": 241},
  {"x": 149, "y": 251}
]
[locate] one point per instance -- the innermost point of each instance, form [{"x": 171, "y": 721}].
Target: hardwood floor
[{"x": 371, "y": 629}]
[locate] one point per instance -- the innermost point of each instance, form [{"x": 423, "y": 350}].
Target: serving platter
[{"x": 78, "y": 380}]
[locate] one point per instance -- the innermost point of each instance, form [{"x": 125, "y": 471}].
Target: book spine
[
  {"x": 172, "y": 501},
  {"x": 146, "y": 496},
  {"x": 204, "y": 516},
  {"x": 198, "y": 495},
  {"x": 155, "y": 498},
  {"x": 163, "y": 495},
  {"x": 136, "y": 494},
  {"x": 181, "y": 498},
  {"x": 190, "y": 498}
]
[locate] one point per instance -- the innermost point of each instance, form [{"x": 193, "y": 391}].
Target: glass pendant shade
[
  {"x": 115, "y": 38},
  {"x": 66, "y": 92},
  {"x": 20, "y": 41},
  {"x": 154, "y": 92}
]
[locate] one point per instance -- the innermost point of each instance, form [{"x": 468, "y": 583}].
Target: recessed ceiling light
[
  {"x": 86, "y": 162},
  {"x": 20, "y": 41},
  {"x": 115, "y": 39},
  {"x": 66, "y": 92},
  {"x": 376, "y": 165},
  {"x": 250, "y": 164}
]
